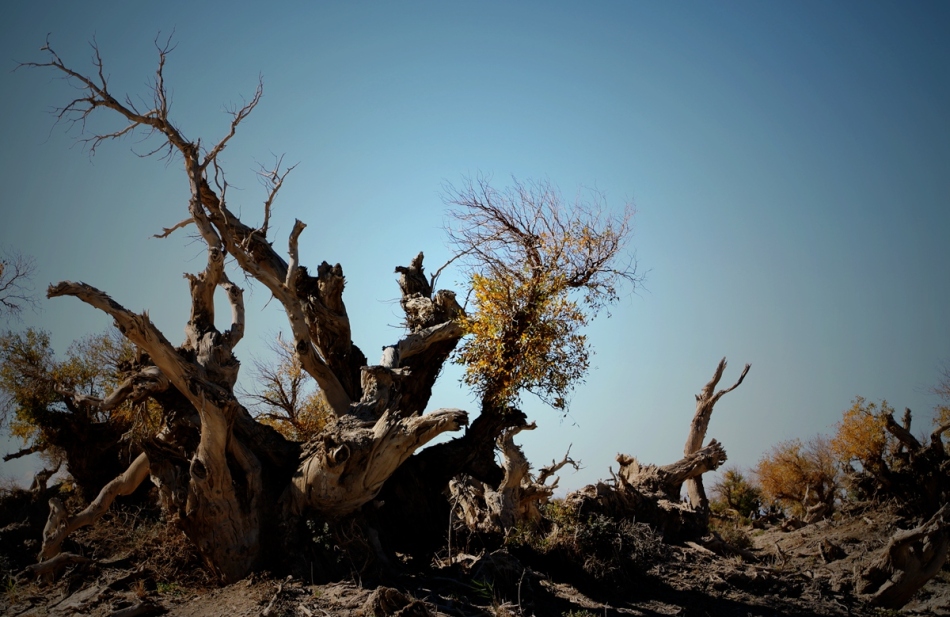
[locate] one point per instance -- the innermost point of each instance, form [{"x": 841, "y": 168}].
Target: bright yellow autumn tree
[
  {"x": 861, "y": 436},
  {"x": 798, "y": 475},
  {"x": 540, "y": 269}
]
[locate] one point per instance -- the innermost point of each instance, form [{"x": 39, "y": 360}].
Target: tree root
[
  {"x": 909, "y": 560},
  {"x": 59, "y": 525}
]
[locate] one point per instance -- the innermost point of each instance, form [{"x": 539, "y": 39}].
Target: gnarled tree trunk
[
  {"x": 225, "y": 478},
  {"x": 910, "y": 559},
  {"x": 651, "y": 494},
  {"x": 516, "y": 500},
  {"x": 705, "y": 401}
]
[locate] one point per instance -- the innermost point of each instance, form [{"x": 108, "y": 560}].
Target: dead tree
[
  {"x": 705, "y": 401},
  {"x": 650, "y": 493},
  {"x": 210, "y": 459},
  {"x": 910, "y": 559},
  {"x": 227, "y": 479},
  {"x": 516, "y": 500}
]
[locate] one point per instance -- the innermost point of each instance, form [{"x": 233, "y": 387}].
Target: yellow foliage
[
  {"x": 540, "y": 269},
  {"x": 311, "y": 418},
  {"x": 524, "y": 335},
  {"x": 861, "y": 436},
  {"x": 287, "y": 398},
  {"x": 30, "y": 374},
  {"x": 732, "y": 491},
  {"x": 943, "y": 415},
  {"x": 797, "y": 475}
]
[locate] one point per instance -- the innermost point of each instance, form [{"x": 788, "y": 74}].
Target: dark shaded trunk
[
  {"x": 95, "y": 451},
  {"x": 414, "y": 516}
]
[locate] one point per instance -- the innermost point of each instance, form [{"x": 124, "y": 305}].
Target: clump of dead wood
[{"x": 651, "y": 493}]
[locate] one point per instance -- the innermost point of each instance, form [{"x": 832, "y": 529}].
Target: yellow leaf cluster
[
  {"x": 793, "y": 471},
  {"x": 860, "y": 435},
  {"x": 30, "y": 374},
  {"x": 524, "y": 336},
  {"x": 540, "y": 268}
]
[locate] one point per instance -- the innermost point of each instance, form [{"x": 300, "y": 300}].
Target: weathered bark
[
  {"x": 346, "y": 466},
  {"x": 414, "y": 508},
  {"x": 705, "y": 401},
  {"x": 910, "y": 559},
  {"x": 224, "y": 524},
  {"x": 667, "y": 481},
  {"x": 60, "y": 525},
  {"x": 516, "y": 500},
  {"x": 651, "y": 494}
]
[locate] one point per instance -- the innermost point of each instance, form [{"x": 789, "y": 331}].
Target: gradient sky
[{"x": 789, "y": 162}]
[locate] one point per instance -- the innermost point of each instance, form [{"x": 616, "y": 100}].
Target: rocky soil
[{"x": 140, "y": 566}]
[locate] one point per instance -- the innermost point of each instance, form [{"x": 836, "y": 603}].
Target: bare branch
[
  {"x": 23, "y": 452},
  {"x": 549, "y": 470},
  {"x": 273, "y": 179},
  {"x": 237, "y": 116},
  {"x": 60, "y": 525},
  {"x": 16, "y": 285},
  {"x": 236, "y": 298},
  {"x": 97, "y": 95},
  {"x": 292, "y": 252},
  {"x": 148, "y": 381},
  {"x": 167, "y": 231},
  {"x": 529, "y": 224}
]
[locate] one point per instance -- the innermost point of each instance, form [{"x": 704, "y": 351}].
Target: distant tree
[
  {"x": 942, "y": 389},
  {"x": 67, "y": 409},
  {"x": 732, "y": 491},
  {"x": 285, "y": 396},
  {"x": 801, "y": 477},
  {"x": 16, "y": 282},
  {"x": 861, "y": 436}
]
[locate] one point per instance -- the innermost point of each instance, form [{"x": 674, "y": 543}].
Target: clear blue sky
[{"x": 790, "y": 163}]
